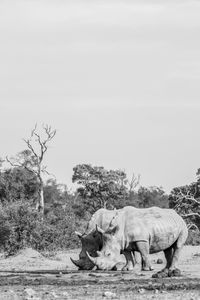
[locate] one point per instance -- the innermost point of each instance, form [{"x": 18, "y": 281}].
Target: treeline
[
  {"x": 44, "y": 214},
  {"x": 22, "y": 225}
]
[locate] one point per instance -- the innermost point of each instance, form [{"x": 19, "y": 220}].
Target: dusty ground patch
[{"x": 30, "y": 275}]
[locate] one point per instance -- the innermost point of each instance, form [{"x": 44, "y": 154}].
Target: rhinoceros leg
[
  {"x": 171, "y": 254},
  {"x": 143, "y": 248},
  {"x": 168, "y": 255},
  {"x": 177, "y": 247},
  {"x": 130, "y": 261},
  {"x": 173, "y": 270}
]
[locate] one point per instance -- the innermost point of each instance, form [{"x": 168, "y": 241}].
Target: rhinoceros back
[
  {"x": 159, "y": 227},
  {"x": 165, "y": 228}
]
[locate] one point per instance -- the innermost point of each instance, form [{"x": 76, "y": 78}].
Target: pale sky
[{"x": 119, "y": 80}]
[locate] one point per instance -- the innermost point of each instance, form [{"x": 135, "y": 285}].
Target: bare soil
[{"x": 31, "y": 275}]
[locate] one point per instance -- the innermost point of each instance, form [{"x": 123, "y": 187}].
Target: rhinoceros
[
  {"x": 147, "y": 230},
  {"x": 92, "y": 241}
]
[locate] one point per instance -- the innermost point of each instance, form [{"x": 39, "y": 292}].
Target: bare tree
[
  {"x": 32, "y": 158},
  {"x": 133, "y": 183},
  {"x": 185, "y": 203}
]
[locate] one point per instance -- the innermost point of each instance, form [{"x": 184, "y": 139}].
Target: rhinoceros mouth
[
  {"x": 82, "y": 264},
  {"x": 99, "y": 266}
]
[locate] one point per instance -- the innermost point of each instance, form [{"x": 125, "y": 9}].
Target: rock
[
  {"x": 159, "y": 261},
  {"x": 174, "y": 273},
  {"x": 109, "y": 295},
  {"x": 161, "y": 274},
  {"x": 54, "y": 294},
  {"x": 30, "y": 292},
  {"x": 192, "y": 296},
  {"x": 141, "y": 291}
]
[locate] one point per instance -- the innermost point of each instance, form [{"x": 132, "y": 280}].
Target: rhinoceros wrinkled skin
[
  {"x": 147, "y": 230},
  {"x": 92, "y": 241}
]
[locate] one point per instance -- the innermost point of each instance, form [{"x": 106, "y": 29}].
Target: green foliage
[
  {"x": 56, "y": 194},
  {"x": 20, "y": 220},
  {"x": 17, "y": 184},
  {"x": 193, "y": 238},
  {"x": 186, "y": 201},
  {"x": 22, "y": 226},
  {"x": 152, "y": 196},
  {"x": 99, "y": 187},
  {"x": 26, "y": 159}
]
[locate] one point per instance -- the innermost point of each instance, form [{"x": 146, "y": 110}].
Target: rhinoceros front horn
[
  {"x": 77, "y": 263},
  {"x": 92, "y": 259}
]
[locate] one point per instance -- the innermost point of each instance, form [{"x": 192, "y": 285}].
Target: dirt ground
[{"x": 31, "y": 275}]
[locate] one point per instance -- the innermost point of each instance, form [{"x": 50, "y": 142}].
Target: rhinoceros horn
[
  {"x": 92, "y": 259},
  {"x": 77, "y": 263}
]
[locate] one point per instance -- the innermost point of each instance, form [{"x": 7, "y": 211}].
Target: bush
[
  {"x": 193, "y": 238},
  {"x": 22, "y": 226}
]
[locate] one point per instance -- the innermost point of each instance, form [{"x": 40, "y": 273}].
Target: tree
[
  {"x": 151, "y": 196},
  {"x": 99, "y": 187},
  {"x": 57, "y": 195},
  {"x": 17, "y": 184},
  {"x": 32, "y": 158},
  {"x": 186, "y": 201}
]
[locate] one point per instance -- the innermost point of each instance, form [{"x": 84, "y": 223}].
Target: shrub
[
  {"x": 22, "y": 226},
  {"x": 193, "y": 238}
]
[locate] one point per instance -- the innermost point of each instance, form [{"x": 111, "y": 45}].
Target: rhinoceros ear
[
  {"x": 112, "y": 230},
  {"x": 78, "y": 234}
]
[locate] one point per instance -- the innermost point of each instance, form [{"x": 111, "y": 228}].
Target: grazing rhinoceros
[
  {"x": 147, "y": 230},
  {"x": 92, "y": 240}
]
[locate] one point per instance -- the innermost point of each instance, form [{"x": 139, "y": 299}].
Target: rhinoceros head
[
  {"x": 109, "y": 255},
  {"x": 91, "y": 243}
]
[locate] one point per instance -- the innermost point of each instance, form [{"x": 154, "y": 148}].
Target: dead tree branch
[
  {"x": 33, "y": 161},
  {"x": 192, "y": 225},
  {"x": 133, "y": 183},
  {"x": 190, "y": 215}
]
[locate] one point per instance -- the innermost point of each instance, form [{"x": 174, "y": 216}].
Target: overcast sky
[{"x": 119, "y": 80}]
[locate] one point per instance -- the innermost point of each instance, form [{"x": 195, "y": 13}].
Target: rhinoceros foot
[
  {"x": 174, "y": 273},
  {"x": 167, "y": 273},
  {"x": 161, "y": 274}
]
